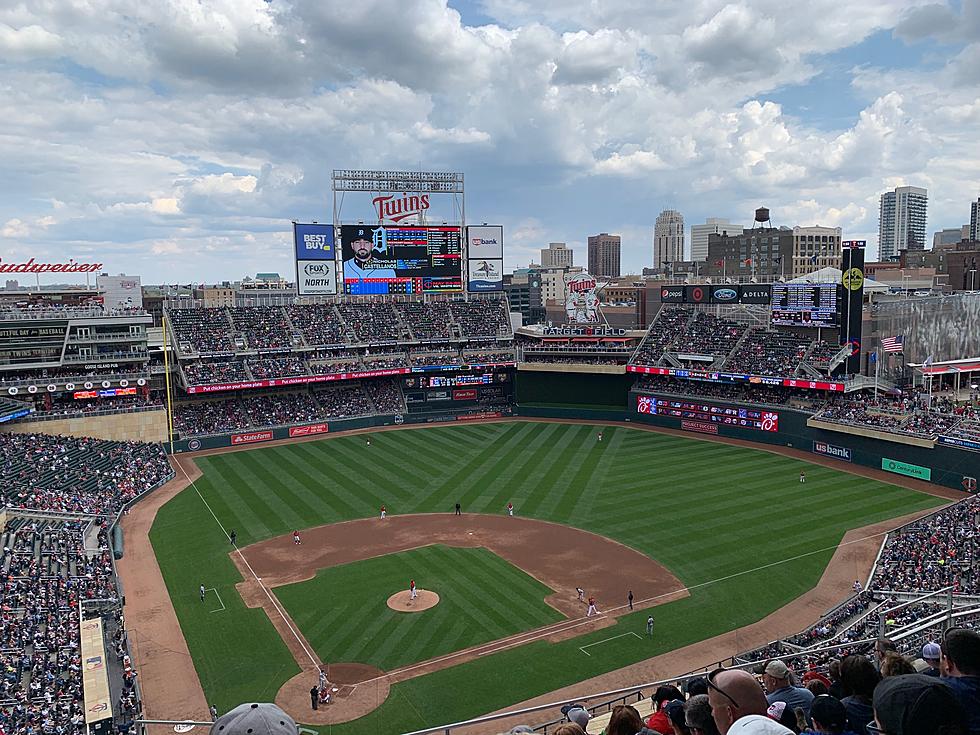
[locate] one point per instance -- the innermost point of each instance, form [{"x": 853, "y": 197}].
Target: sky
[{"x": 177, "y": 139}]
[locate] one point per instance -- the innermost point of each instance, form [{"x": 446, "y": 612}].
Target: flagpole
[{"x": 877, "y": 368}]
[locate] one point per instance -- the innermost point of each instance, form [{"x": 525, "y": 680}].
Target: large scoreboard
[
  {"x": 401, "y": 259},
  {"x": 805, "y": 304}
]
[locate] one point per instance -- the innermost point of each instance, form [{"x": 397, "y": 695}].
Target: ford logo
[{"x": 725, "y": 294}]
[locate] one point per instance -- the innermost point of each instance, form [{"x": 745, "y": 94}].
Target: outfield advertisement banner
[
  {"x": 251, "y": 437},
  {"x": 309, "y": 430},
  {"x": 955, "y": 441},
  {"x": 466, "y": 394},
  {"x": 734, "y": 416},
  {"x": 905, "y": 468},
  {"x": 699, "y": 426},
  {"x": 95, "y": 678},
  {"x": 832, "y": 450}
]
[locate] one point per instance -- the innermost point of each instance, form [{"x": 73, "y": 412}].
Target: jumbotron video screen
[{"x": 401, "y": 259}]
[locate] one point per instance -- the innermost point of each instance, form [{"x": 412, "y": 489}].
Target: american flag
[{"x": 893, "y": 344}]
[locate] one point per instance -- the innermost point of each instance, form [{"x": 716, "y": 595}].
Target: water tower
[{"x": 762, "y": 218}]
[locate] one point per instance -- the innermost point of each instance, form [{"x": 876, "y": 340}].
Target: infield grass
[
  {"x": 481, "y": 598},
  {"x": 734, "y": 524}
]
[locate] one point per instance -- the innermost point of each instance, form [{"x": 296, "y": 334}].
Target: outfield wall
[
  {"x": 580, "y": 389},
  {"x": 147, "y": 426}
]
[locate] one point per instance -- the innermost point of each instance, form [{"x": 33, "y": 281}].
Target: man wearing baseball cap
[
  {"x": 913, "y": 704},
  {"x": 776, "y": 678},
  {"x": 255, "y": 719},
  {"x": 931, "y": 653}
]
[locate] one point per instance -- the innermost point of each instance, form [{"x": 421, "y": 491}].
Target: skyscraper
[
  {"x": 975, "y": 220},
  {"x": 557, "y": 255},
  {"x": 668, "y": 238},
  {"x": 604, "y": 255},
  {"x": 902, "y": 221},
  {"x": 711, "y": 226}
]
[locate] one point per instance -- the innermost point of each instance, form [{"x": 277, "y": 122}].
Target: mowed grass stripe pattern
[
  {"x": 705, "y": 510},
  {"x": 343, "y": 613}
]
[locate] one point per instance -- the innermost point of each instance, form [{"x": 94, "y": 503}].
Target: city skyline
[{"x": 179, "y": 141}]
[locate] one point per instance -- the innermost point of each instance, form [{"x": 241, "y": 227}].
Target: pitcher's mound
[{"x": 402, "y": 602}]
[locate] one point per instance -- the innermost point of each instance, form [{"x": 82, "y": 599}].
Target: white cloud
[{"x": 27, "y": 42}]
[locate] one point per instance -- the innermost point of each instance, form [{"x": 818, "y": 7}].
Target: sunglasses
[{"x": 722, "y": 692}]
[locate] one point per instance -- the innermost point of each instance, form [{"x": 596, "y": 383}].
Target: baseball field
[{"x": 729, "y": 530}]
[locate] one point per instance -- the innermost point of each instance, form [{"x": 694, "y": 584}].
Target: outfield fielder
[
  {"x": 384, "y": 512},
  {"x": 510, "y": 509},
  {"x": 296, "y": 539},
  {"x": 202, "y": 593}
]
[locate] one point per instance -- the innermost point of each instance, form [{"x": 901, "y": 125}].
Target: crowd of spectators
[
  {"x": 767, "y": 352},
  {"x": 484, "y": 357},
  {"x": 427, "y": 321},
  {"x": 264, "y": 368},
  {"x": 75, "y": 374},
  {"x": 903, "y": 414},
  {"x": 375, "y": 359},
  {"x": 822, "y": 353},
  {"x": 262, "y": 327},
  {"x": 481, "y": 317},
  {"x": 741, "y": 392},
  {"x": 253, "y": 411},
  {"x": 934, "y": 552},
  {"x": 47, "y": 571},
  {"x": 77, "y": 475},
  {"x": 205, "y": 330},
  {"x": 318, "y": 323},
  {"x": 666, "y": 328},
  {"x": 373, "y": 321},
  {"x": 204, "y": 372},
  {"x": 708, "y": 334},
  {"x": 65, "y": 405}
]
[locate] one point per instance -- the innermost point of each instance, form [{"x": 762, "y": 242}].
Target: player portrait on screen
[{"x": 363, "y": 260}]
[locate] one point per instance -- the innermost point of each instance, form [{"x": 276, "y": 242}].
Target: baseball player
[
  {"x": 592, "y": 610},
  {"x": 581, "y": 594},
  {"x": 510, "y": 509},
  {"x": 296, "y": 539},
  {"x": 413, "y": 593},
  {"x": 458, "y": 510},
  {"x": 384, "y": 512},
  {"x": 600, "y": 437},
  {"x": 857, "y": 587},
  {"x": 233, "y": 536},
  {"x": 323, "y": 677},
  {"x": 202, "y": 593},
  {"x": 802, "y": 476},
  {"x": 629, "y": 599},
  {"x": 369, "y": 441},
  {"x": 650, "y": 625}
]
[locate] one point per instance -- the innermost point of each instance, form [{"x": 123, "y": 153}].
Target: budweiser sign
[
  {"x": 31, "y": 266},
  {"x": 396, "y": 209}
]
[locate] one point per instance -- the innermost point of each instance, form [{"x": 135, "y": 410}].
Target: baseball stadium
[{"x": 388, "y": 502}]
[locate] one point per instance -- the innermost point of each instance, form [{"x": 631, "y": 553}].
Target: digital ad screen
[{"x": 392, "y": 259}]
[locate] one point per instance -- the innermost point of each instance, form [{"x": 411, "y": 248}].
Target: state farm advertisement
[
  {"x": 310, "y": 430},
  {"x": 251, "y": 437}
]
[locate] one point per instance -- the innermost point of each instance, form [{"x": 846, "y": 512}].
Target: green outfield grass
[
  {"x": 734, "y": 524},
  {"x": 358, "y": 625}
]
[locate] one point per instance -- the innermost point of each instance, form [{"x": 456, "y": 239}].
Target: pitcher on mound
[{"x": 412, "y": 592}]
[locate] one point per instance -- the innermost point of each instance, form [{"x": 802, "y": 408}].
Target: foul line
[
  {"x": 218, "y": 609},
  {"x": 272, "y": 599},
  {"x": 606, "y": 640},
  {"x": 521, "y": 639}
]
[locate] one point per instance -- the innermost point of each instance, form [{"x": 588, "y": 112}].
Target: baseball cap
[
  {"x": 255, "y": 719},
  {"x": 931, "y": 652},
  {"x": 758, "y": 725},
  {"x": 569, "y": 707},
  {"x": 829, "y": 712},
  {"x": 914, "y": 704},
  {"x": 777, "y": 669},
  {"x": 675, "y": 712}
]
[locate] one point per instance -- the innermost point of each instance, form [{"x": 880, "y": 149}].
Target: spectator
[
  {"x": 858, "y": 679},
  {"x": 895, "y": 664},
  {"x": 785, "y": 716},
  {"x": 829, "y": 716},
  {"x": 960, "y": 665},
  {"x": 738, "y": 704},
  {"x": 659, "y": 720},
  {"x": 776, "y": 678},
  {"x": 917, "y": 705},
  {"x": 932, "y": 654},
  {"x": 817, "y": 688},
  {"x": 697, "y": 715},
  {"x": 625, "y": 720},
  {"x": 569, "y": 728},
  {"x": 675, "y": 714}
]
